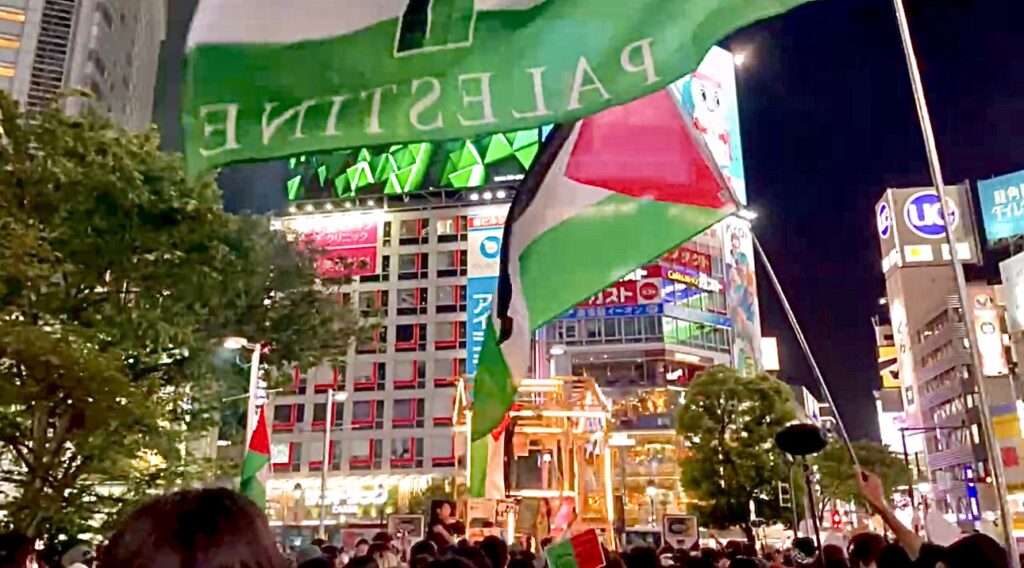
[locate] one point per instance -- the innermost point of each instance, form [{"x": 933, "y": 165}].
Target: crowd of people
[{"x": 218, "y": 528}]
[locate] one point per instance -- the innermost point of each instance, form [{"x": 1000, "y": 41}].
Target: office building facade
[{"x": 107, "y": 47}]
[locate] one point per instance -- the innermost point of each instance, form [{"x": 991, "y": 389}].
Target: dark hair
[
  {"x": 641, "y": 557},
  {"x": 450, "y": 562},
  {"x": 743, "y": 562},
  {"x": 208, "y": 527},
  {"x": 423, "y": 548},
  {"x": 364, "y": 561},
  {"x": 893, "y": 556},
  {"x": 975, "y": 550},
  {"x": 496, "y": 550},
  {"x": 834, "y": 556},
  {"x": 318, "y": 542},
  {"x": 378, "y": 548},
  {"x": 420, "y": 560},
  {"x": 471, "y": 554},
  {"x": 320, "y": 562},
  {"x": 362, "y": 541},
  {"x": 520, "y": 562},
  {"x": 382, "y": 536},
  {"x": 864, "y": 548},
  {"x": 331, "y": 552},
  {"x": 15, "y": 550}
]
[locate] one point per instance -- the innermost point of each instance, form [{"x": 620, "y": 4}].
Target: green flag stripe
[
  {"x": 478, "y": 467},
  {"x": 599, "y": 245},
  {"x": 556, "y": 62},
  {"x": 253, "y": 463}
]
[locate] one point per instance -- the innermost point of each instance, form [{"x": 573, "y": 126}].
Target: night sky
[{"x": 828, "y": 123}]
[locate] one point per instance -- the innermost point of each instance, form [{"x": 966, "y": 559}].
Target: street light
[
  {"x": 255, "y": 401},
  {"x": 652, "y": 490},
  {"x": 332, "y": 397},
  {"x": 748, "y": 214}
]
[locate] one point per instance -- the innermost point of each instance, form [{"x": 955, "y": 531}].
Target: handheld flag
[
  {"x": 274, "y": 78},
  {"x": 581, "y": 551},
  {"x": 254, "y": 465},
  {"x": 616, "y": 190}
]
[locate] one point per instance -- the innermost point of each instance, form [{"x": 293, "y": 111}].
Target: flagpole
[
  {"x": 803, "y": 345},
  {"x": 992, "y": 446}
]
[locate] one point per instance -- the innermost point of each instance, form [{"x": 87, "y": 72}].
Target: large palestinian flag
[{"x": 616, "y": 190}]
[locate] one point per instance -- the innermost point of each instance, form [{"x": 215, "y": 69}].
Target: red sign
[
  {"x": 627, "y": 293},
  {"x": 683, "y": 256},
  {"x": 486, "y": 221},
  {"x": 351, "y": 238}
]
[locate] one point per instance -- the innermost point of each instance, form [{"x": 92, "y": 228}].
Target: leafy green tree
[
  {"x": 728, "y": 422},
  {"x": 119, "y": 277},
  {"x": 836, "y": 477},
  {"x": 419, "y": 501}
]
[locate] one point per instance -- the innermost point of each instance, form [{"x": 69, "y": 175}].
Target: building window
[
  {"x": 6, "y": 70},
  {"x": 328, "y": 378},
  {"x": 288, "y": 415},
  {"x": 442, "y": 451},
  {"x": 411, "y": 337},
  {"x": 448, "y": 371},
  {"x": 336, "y": 455},
  {"x": 407, "y": 413},
  {"x": 370, "y": 376},
  {"x": 366, "y": 455},
  {"x": 444, "y": 409},
  {"x": 9, "y": 41},
  {"x": 368, "y": 415},
  {"x": 286, "y": 456},
  {"x": 412, "y": 301},
  {"x": 406, "y": 453},
  {"x": 298, "y": 381},
  {"x": 413, "y": 232},
  {"x": 378, "y": 343},
  {"x": 451, "y": 263},
  {"x": 12, "y": 15},
  {"x": 450, "y": 299},
  {"x": 449, "y": 335},
  {"x": 413, "y": 266},
  {"x": 373, "y": 303},
  {"x": 451, "y": 229},
  {"x": 410, "y": 375},
  {"x": 319, "y": 415},
  {"x": 383, "y": 275}
]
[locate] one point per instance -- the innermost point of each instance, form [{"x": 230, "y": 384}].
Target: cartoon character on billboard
[
  {"x": 703, "y": 99},
  {"x": 741, "y": 297}
]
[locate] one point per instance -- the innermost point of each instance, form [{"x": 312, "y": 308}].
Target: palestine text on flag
[
  {"x": 256, "y": 461},
  {"x": 272, "y": 78},
  {"x": 626, "y": 185}
]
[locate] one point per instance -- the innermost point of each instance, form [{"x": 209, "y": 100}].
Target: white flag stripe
[
  {"x": 285, "y": 21},
  {"x": 292, "y": 21}
]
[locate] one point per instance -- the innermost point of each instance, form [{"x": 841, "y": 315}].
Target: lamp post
[
  {"x": 257, "y": 387},
  {"x": 652, "y": 490},
  {"x": 332, "y": 397}
]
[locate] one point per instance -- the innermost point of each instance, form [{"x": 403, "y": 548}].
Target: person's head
[
  {"x": 362, "y": 546},
  {"x": 743, "y": 562},
  {"x": 443, "y": 511},
  {"x": 381, "y": 552},
  {"x": 307, "y": 553},
  {"x": 362, "y": 561},
  {"x": 214, "y": 528},
  {"x": 834, "y": 556},
  {"x": 496, "y": 550},
  {"x": 641, "y": 557},
  {"x": 520, "y": 562},
  {"x": 423, "y": 548},
  {"x": 318, "y": 542},
  {"x": 420, "y": 560},
  {"x": 804, "y": 550},
  {"x": 893, "y": 556},
  {"x": 471, "y": 554},
  {"x": 331, "y": 552},
  {"x": 17, "y": 551},
  {"x": 383, "y": 536},
  {"x": 974, "y": 550},
  {"x": 864, "y": 549},
  {"x": 80, "y": 554},
  {"x": 318, "y": 562}
]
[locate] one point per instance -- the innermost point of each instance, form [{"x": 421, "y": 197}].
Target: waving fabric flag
[
  {"x": 273, "y": 78},
  {"x": 625, "y": 186},
  {"x": 256, "y": 461}
]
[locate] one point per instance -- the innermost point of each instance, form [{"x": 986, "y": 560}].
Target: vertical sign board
[
  {"x": 741, "y": 294},
  {"x": 989, "y": 331},
  {"x": 483, "y": 264},
  {"x": 1012, "y": 272},
  {"x": 1002, "y": 205}
]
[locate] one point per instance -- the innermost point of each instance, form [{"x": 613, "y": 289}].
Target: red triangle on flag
[
  {"x": 260, "y": 440},
  {"x": 646, "y": 149}
]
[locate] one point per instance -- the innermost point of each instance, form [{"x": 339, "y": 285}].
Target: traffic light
[{"x": 837, "y": 520}]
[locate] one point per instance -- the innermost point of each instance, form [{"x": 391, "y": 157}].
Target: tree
[
  {"x": 836, "y": 476},
  {"x": 119, "y": 277},
  {"x": 728, "y": 423},
  {"x": 420, "y": 501}
]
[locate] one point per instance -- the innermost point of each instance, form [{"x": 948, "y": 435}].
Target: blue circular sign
[
  {"x": 884, "y": 220},
  {"x": 490, "y": 247},
  {"x": 923, "y": 214}
]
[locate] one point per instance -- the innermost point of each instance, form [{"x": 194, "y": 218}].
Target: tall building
[
  {"x": 107, "y": 47},
  {"x": 929, "y": 330}
]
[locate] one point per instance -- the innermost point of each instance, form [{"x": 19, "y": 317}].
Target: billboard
[
  {"x": 709, "y": 96},
  {"x": 1012, "y": 271},
  {"x": 483, "y": 264},
  {"x": 351, "y": 237},
  {"x": 911, "y": 230},
  {"x": 988, "y": 329},
  {"x": 1002, "y": 205},
  {"x": 741, "y": 294}
]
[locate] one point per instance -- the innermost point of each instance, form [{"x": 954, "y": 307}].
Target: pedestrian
[
  {"x": 864, "y": 549},
  {"x": 212, "y": 528},
  {"x": 496, "y": 550},
  {"x": 362, "y": 547}
]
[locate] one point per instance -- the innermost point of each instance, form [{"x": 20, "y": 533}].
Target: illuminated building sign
[
  {"x": 406, "y": 168},
  {"x": 693, "y": 279}
]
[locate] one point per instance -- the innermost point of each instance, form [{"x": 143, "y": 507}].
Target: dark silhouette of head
[
  {"x": 496, "y": 550},
  {"x": 213, "y": 528}
]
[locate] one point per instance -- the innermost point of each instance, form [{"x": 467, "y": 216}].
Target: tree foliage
[
  {"x": 119, "y": 277},
  {"x": 836, "y": 475},
  {"x": 728, "y": 422}
]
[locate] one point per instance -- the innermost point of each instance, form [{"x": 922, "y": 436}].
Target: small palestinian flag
[
  {"x": 581, "y": 551},
  {"x": 254, "y": 466}
]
